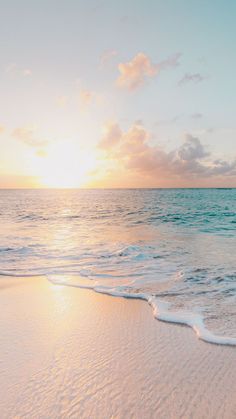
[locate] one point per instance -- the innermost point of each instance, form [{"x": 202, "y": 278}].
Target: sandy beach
[
  {"x": 117, "y": 209},
  {"x": 71, "y": 353}
]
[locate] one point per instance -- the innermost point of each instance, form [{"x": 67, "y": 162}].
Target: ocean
[{"x": 175, "y": 248}]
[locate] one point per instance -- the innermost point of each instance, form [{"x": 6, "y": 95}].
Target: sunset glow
[
  {"x": 64, "y": 166},
  {"x": 118, "y": 97},
  {"x": 117, "y": 208}
]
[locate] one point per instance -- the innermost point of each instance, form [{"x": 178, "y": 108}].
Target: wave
[
  {"x": 19, "y": 275},
  {"x": 161, "y": 310}
]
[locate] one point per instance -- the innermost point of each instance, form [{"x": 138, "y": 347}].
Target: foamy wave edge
[{"x": 161, "y": 310}]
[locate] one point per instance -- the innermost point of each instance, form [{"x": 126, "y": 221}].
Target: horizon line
[{"x": 118, "y": 188}]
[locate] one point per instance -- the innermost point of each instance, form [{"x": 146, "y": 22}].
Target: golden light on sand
[{"x": 65, "y": 165}]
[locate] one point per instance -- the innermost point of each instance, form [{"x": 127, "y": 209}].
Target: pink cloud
[
  {"x": 133, "y": 152},
  {"x": 136, "y": 72},
  {"x": 112, "y": 136}
]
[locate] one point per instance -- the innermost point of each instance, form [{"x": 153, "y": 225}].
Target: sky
[{"x": 117, "y": 94}]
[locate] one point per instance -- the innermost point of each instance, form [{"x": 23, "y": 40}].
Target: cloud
[
  {"x": 190, "y": 77},
  {"x": 112, "y": 136},
  {"x": 192, "y": 149},
  {"x": 133, "y": 152},
  {"x": 2, "y": 129},
  {"x": 28, "y": 136},
  {"x": 136, "y": 72}
]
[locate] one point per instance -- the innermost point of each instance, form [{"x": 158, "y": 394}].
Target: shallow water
[{"x": 176, "y": 245}]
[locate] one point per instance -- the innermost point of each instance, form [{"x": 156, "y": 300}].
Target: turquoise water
[{"x": 176, "y": 245}]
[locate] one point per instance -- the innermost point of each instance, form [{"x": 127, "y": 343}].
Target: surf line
[{"x": 161, "y": 309}]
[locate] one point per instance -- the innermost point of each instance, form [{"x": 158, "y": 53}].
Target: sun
[{"x": 65, "y": 165}]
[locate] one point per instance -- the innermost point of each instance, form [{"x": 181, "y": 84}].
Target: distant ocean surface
[{"x": 175, "y": 248}]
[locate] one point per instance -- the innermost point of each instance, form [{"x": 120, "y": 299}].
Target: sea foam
[
  {"x": 165, "y": 246},
  {"x": 161, "y": 309}
]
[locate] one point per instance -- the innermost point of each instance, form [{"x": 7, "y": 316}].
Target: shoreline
[
  {"x": 67, "y": 352},
  {"x": 161, "y": 309}
]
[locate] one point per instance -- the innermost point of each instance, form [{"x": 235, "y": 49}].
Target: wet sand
[{"x": 72, "y": 353}]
